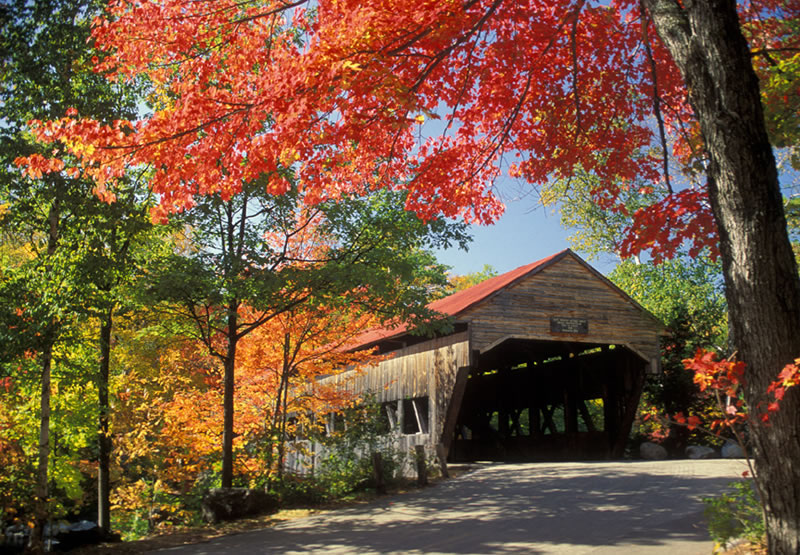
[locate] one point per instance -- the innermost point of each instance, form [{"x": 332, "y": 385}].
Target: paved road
[{"x": 597, "y": 508}]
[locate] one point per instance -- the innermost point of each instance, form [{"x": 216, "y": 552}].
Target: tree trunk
[
  {"x": 42, "y": 471},
  {"x": 282, "y": 400},
  {"x": 103, "y": 433},
  {"x": 227, "y": 402},
  {"x": 42, "y": 482},
  {"x": 761, "y": 279},
  {"x": 282, "y": 441}
]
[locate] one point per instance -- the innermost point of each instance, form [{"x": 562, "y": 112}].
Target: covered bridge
[{"x": 545, "y": 362}]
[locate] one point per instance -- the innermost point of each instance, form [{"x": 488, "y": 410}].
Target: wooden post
[
  {"x": 441, "y": 454},
  {"x": 547, "y": 416},
  {"x": 377, "y": 469},
  {"x": 401, "y": 416},
  {"x": 453, "y": 408},
  {"x": 610, "y": 410},
  {"x": 587, "y": 418},
  {"x": 422, "y": 469},
  {"x": 502, "y": 403},
  {"x": 534, "y": 418},
  {"x": 570, "y": 412},
  {"x": 629, "y": 401}
]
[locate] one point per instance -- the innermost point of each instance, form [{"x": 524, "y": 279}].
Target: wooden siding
[
  {"x": 427, "y": 369},
  {"x": 564, "y": 289}
]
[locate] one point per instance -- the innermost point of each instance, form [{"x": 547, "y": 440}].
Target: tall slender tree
[{"x": 81, "y": 245}]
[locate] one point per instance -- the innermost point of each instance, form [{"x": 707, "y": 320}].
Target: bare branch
[
  {"x": 574, "y": 50},
  {"x": 656, "y": 96}
]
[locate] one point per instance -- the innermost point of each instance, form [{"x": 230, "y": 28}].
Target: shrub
[
  {"x": 347, "y": 464},
  {"x": 735, "y": 514}
]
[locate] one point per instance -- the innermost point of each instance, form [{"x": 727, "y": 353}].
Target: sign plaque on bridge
[{"x": 568, "y": 325}]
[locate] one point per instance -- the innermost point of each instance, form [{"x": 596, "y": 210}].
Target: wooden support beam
[
  {"x": 610, "y": 408},
  {"x": 502, "y": 402},
  {"x": 547, "y": 416},
  {"x": 453, "y": 408},
  {"x": 534, "y": 419},
  {"x": 391, "y": 414},
  {"x": 630, "y": 401},
  {"x": 587, "y": 418},
  {"x": 421, "y": 415},
  {"x": 570, "y": 412}
]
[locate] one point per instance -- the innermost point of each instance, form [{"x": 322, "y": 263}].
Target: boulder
[
  {"x": 732, "y": 450},
  {"x": 232, "y": 503},
  {"x": 700, "y": 452},
  {"x": 652, "y": 451},
  {"x": 81, "y": 534}
]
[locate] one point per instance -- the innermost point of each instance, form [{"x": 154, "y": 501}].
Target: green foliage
[
  {"x": 347, "y": 464},
  {"x": 459, "y": 283},
  {"x": 17, "y": 478},
  {"x": 595, "y": 229},
  {"x": 736, "y": 514},
  {"x": 686, "y": 294},
  {"x": 780, "y": 100},
  {"x": 71, "y": 439},
  {"x": 130, "y": 525},
  {"x": 683, "y": 288},
  {"x": 150, "y": 506},
  {"x": 300, "y": 491},
  {"x": 245, "y": 250},
  {"x": 792, "y": 208},
  {"x": 385, "y": 250},
  {"x": 66, "y": 255}
]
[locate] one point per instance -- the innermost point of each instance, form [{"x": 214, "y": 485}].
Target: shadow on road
[{"x": 569, "y": 507}]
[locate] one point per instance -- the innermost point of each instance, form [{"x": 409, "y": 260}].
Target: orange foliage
[
  {"x": 307, "y": 343},
  {"x": 725, "y": 378},
  {"x": 171, "y": 421},
  {"x": 287, "y": 356}
]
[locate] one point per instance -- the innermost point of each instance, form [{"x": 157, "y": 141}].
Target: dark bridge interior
[{"x": 548, "y": 400}]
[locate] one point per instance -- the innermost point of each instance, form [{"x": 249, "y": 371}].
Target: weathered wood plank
[
  {"x": 453, "y": 407},
  {"x": 411, "y": 372}
]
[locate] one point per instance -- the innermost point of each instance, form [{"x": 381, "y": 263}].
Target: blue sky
[{"x": 527, "y": 232}]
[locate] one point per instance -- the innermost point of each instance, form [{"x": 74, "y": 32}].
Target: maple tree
[
  {"x": 152, "y": 465},
  {"x": 161, "y": 459},
  {"x": 168, "y": 403},
  {"x": 273, "y": 255},
  {"x": 726, "y": 377},
  {"x": 284, "y": 358},
  {"x": 724, "y": 380},
  {"x": 338, "y": 93}
]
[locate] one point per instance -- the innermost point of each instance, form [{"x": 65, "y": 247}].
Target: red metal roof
[{"x": 461, "y": 300}]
